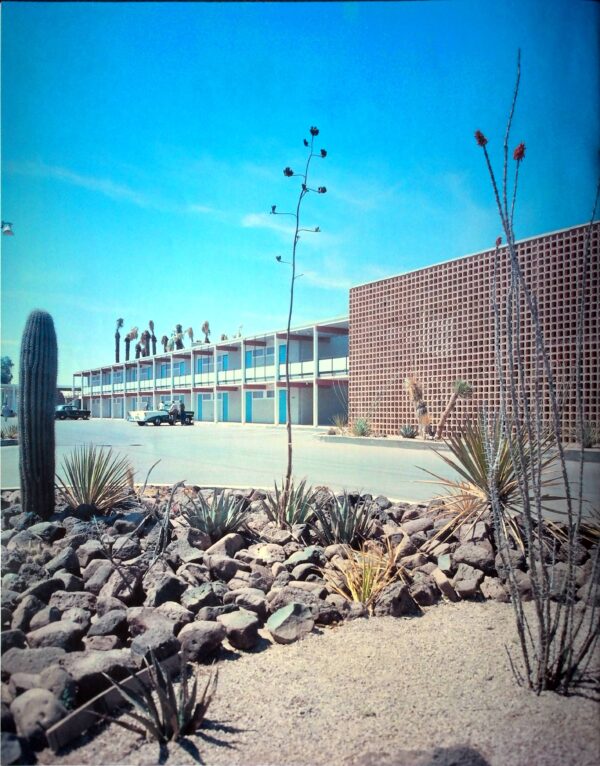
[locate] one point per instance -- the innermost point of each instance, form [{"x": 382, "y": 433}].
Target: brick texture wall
[{"x": 437, "y": 325}]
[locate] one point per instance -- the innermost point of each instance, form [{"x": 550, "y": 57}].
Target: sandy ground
[{"x": 435, "y": 690}]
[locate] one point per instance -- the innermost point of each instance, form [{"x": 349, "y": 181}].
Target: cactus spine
[{"x": 37, "y": 400}]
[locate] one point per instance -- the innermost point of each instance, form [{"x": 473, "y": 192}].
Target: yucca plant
[
  {"x": 294, "y": 507},
  {"x": 361, "y": 427},
  {"x": 364, "y": 573},
  {"x": 344, "y": 522},
  {"x": 218, "y": 517},
  {"x": 178, "y": 712},
  {"x": 94, "y": 476},
  {"x": 471, "y": 495},
  {"x": 460, "y": 390},
  {"x": 409, "y": 432},
  {"x": 340, "y": 422}
]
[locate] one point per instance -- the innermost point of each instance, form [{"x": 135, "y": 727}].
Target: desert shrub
[
  {"x": 343, "y": 521},
  {"x": 363, "y": 574},
  {"x": 470, "y": 496},
  {"x": 409, "y": 432},
  {"x": 223, "y": 514},
  {"x": 340, "y": 422},
  {"x": 361, "y": 427},
  {"x": 94, "y": 476},
  {"x": 294, "y": 507},
  {"x": 177, "y": 713}
]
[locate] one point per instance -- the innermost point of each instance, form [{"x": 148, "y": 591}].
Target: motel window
[
  {"x": 206, "y": 397},
  {"x": 165, "y": 370},
  {"x": 222, "y": 362},
  {"x": 105, "y": 378},
  {"x": 204, "y": 364},
  {"x": 95, "y": 380}
]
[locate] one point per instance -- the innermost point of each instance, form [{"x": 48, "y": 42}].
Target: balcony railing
[
  {"x": 335, "y": 366},
  {"x": 182, "y": 381},
  {"x": 118, "y": 387},
  {"x": 146, "y": 385},
  {"x": 299, "y": 369},
  {"x": 162, "y": 383},
  {"x": 131, "y": 385},
  {"x": 260, "y": 373},
  {"x": 229, "y": 376}
]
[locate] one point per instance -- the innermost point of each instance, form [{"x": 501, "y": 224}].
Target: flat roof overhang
[
  {"x": 295, "y": 383},
  {"x": 294, "y": 336}
]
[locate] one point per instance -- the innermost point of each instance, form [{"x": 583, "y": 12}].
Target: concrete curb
[{"x": 591, "y": 455}]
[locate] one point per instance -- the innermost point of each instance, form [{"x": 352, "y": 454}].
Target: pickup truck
[
  {"x": 70, "y": 412},
  {"x": 158, "y": 417}
]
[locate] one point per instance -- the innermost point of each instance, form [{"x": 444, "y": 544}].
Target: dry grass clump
[{"x": 95, "y": 476}]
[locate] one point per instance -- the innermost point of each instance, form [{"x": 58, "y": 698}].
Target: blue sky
[{"x": 143, "y": 146}]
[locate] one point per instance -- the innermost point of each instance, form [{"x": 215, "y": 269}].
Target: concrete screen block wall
[{"x": 437, "y": 325}]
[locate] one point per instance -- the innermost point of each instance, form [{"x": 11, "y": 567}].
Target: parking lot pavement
[{"x": 252, "y": 455}]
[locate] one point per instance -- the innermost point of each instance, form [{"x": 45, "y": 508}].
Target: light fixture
[{"x": 7, "y": 229}]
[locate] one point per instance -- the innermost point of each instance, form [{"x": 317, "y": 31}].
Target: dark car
[{"x": 70, "y": 412}]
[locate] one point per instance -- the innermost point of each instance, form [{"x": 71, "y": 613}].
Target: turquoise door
[
  {"x": 282, "y": 406},
  {"x": 282, "y": 352},
  {"x": 199, "y": 408},
  {"x": 248, "y": 406},
  {"x": 225, "y": 407}
]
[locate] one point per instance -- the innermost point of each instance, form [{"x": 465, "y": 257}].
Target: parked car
[
  {"x": 70, "y": 412},
  {"x": 158, "y": 417}
]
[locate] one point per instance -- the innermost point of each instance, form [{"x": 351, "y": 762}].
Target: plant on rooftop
[
  {"x": 131, "y": 335},
  {"x": 558, "y": 640},
  {"x": 293, "y": 507},
  {"x": 305, "y": 189},
  {"x": 205, "y": 329},
  {"x": 361, "y": 427},
  {"x": 118, "y": 340},
  {"x": 152, "y": 337},
  {"x": 94, "y": 476},
  {"x": 343, "y": 520},
  {"x": 178, "y": 336},
  {"x": 223, "y": 514},
  {"x": 38, "y": 366},
  {"x": 364, "y": 573},
  {"x": 165, "y": 342},
  {"x": 177, "y": 713},
  {"x": 460, "y": 390}
]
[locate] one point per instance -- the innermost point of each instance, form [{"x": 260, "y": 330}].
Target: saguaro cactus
[{"x": 37, "y": 397}]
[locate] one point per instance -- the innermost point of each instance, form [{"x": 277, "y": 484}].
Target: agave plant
[
  {"x": 469, "y": 497},
  {"x": 295, "y": 507},
  {"x": 94, "y": 476},
  {"x": 408, "y": 432},
  {"x": 364, "y": 573},
  {"x": 344, "y": 522},
  {"x": 361, "y": 427},
  {"x": 217, "y": 518},
  {"x": 178, "y": 712},
  {"x": 460, "y": 390}
]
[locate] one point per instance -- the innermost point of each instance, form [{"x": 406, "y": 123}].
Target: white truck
[{"x": 159, "y": 416}]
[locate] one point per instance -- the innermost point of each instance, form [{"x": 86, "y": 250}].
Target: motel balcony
[
  {"x": 333, "y": 367},
  {"x": 182, "y": 381},
  {"x": 229, "y": 376}
]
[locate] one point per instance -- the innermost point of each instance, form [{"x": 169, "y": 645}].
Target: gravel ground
[{"x": 435, "y": 690}]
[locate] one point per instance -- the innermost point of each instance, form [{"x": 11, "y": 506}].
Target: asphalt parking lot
[{"x": 251, "y": 455}]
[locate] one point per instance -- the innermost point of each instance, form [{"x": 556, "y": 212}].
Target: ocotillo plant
[
  {"x": 118, "y": 339},
  {"x": 37, "y": 397},
  {"x": 304, "y": 190},
  {"x": 558, "y": 638}
]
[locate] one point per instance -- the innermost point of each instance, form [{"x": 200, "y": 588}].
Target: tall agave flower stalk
[
  {"x": 304, "y": 190},
  {"x": 460, "y": 390},
  {"x": 118, "y": 340},
  {"x": 558, "y": 640}
]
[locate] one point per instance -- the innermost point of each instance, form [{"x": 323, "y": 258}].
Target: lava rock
[
  {"x": 200, "y": 639},
  {"x": 66, "y": 559},
  {"x": 64, "y": 634},
  {"x": 241, "y": 628},
  {"x": 159, "y": 640},
  {"x": 227, "y": 546},
  {"x": 395, "y": 600},
  {"x": 112, "y": 623},
  {"x": 290, "y": 623},
  {"x": 168, "y": 588},
  {"x": 64, "y": 600},
  {"x": 44, "y": 617},
  {"x": 29, "y": 660},
  {"x": 34, "y": 712},
  {"x": 11, "y": 639}
]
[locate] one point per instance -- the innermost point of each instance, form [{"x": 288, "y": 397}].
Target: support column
[
  {"x": 243, "y": 386},
  {"x": 315, "y": 376}
]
